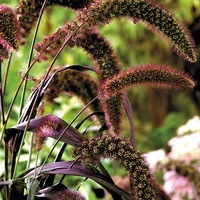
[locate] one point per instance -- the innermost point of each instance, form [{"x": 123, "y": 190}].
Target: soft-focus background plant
[{"x": 157, "y": 113}]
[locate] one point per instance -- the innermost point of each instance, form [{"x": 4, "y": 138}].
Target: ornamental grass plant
[{"x": 50, "y": 155}]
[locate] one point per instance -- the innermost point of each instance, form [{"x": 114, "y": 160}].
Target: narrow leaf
[
  {"x": 129, "y": 113},
  {"x": 52, "y": 126},
  {"x": 80, "y": 170}
]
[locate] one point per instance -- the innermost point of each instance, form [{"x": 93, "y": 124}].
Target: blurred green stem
[
  {"x": 2, "y": 133},
  {"x": 6, "y": 74},
  {"x": 1, "y": 96},
  {"x": 30, "y": 152},
  {"x": 29, "y": 66},
  {"x": 2, "y": 92},
  {"x": 31, "y": 55}
]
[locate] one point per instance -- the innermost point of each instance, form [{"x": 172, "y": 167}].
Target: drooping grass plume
[
  {"x": 159, "y": 20},
  {"x": 113, "y": 110},
  {"x": 150, "y": 75},
  {"x": 121, "y": 151},
  {"x": 28, "y": 11},
  {"x": 68, "y": 194},
  {"x": 75, "y": 83},
  {"x": 100, "y": 52},
  {"x": 9, "y": 31},
  {"x": 90, "y": 40}
]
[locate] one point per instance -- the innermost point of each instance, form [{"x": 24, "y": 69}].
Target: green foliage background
[{"x": 134, "y": 44}]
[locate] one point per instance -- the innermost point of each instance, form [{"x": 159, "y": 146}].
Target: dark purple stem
[{"x": 128, "y": 109}]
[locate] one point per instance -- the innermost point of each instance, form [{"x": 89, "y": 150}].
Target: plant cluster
[{"x": 105, "y": 98}]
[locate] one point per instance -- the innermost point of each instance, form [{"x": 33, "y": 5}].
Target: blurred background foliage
[{"x": 157, "y": 113}]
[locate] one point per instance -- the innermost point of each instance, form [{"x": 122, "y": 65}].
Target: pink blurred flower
[{"x": 178, "y": 187}]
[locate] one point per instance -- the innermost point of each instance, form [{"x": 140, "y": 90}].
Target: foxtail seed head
[
  {"x": 158, "y": 20},
  {"x": 28, "y": 11},
  {"x": 75, "y": 83},
  {"x": 90, "y": 40},
  {"x": 122, "y": 151},
  {"x": 9, "y": 31},
  {"x": 150, "y": 75},
  {"x": 113, "y": 109}
]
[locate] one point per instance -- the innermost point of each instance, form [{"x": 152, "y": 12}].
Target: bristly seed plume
[
  {"x": 104, "y": 59},
  {"x": 150, "y": 75},
  {"x": 121, "y": 151},
  {"x": 9, "y": 31},
  {"x": 28, "y": 11},
  {"x": 159, "y": 20},
  {"x": 113, "y": 109},
  {"x": 74, "y": 82},
  {"x": 90, "y": 40}
]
